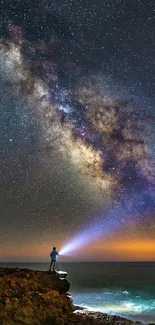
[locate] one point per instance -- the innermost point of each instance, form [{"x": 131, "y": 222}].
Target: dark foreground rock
[
  {"x": 33, "y": 298},
  {"x": 40, "y": 298}
]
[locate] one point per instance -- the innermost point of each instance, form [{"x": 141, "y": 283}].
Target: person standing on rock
[{"x": 53, "y": 256}]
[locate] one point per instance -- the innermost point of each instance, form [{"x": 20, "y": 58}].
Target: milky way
[
  {"x": 104, "y": 138},
  {"x": 69, "y": 109}
]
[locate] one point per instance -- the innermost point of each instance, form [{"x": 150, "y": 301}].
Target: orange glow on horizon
[
  {"x": 141, "y": 246},
  {"x": 103, "y": 250},
  {"x": 127, "y": 250}
]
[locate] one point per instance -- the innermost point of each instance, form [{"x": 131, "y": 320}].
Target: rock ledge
[{"x": 33, "y": 298}]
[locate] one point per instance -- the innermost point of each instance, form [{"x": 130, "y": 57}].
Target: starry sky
[{"x": 77, "y": 125}]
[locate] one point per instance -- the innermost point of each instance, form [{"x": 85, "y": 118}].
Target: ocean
[{"x": 125, "y": 289}]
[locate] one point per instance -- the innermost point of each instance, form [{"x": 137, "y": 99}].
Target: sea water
[{"x": 125, "y": 289}]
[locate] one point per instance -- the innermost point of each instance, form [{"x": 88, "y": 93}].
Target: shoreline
[
  {"x": 94, "y": 311},
  {"x": 104, "y": 318}
]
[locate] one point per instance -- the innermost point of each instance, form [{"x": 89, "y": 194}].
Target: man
[{"x": 53, "y": 256}]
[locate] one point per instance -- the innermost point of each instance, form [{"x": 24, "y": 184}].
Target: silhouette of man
[{"x": 53, "y": 256}]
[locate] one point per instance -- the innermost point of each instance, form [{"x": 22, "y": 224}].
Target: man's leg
[
  {"x": 53, "y": 265},
  {"x": 50, "y": 265}
]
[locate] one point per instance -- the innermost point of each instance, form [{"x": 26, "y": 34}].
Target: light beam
[{"x": 108, "y": 222}]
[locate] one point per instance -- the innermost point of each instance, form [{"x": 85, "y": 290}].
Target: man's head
[{"x": 54, "y": 248}]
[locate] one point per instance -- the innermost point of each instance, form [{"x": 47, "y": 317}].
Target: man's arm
[{"x": 57, "y": 253}]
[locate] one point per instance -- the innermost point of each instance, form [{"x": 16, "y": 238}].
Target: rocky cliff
[
  {"x": 40, "y": 298},
  {"x": 33, "y": 297}
]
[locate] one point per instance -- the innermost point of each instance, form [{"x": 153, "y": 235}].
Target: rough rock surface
[
  {"x": 40, "y": 298},
  {"x": 33, "y": 298}
]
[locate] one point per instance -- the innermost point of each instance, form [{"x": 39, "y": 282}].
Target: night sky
[{"x": 77, "y": 128}]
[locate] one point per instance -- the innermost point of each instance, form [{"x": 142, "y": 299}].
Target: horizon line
[{"x": 125, "y": 261}]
